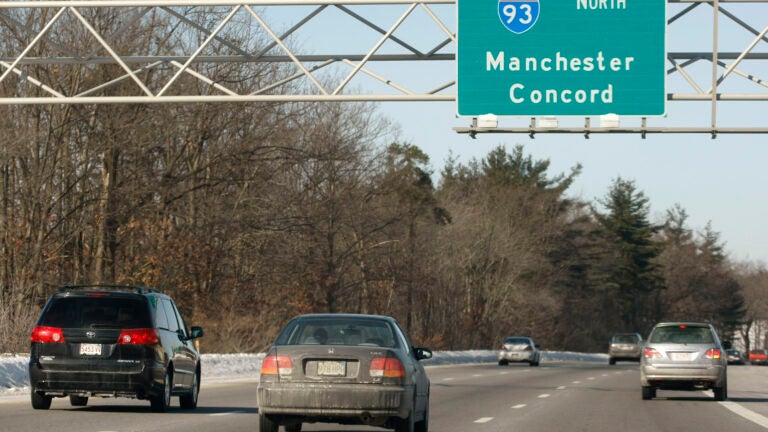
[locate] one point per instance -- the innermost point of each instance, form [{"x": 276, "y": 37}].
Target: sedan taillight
[
  {"x": 45, "y": 334},
  {"x": 276, "y": 365},
  {"x": 387, "y": 367}
]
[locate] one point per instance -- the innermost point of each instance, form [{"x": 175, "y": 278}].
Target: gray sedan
[
  {"x": 684, "y": 356},
  {"x": 519, "y": 349},
  {"x": 344, "y": 368}
]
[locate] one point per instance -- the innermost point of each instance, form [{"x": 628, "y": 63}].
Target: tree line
[{"x": 250, "y": 214}]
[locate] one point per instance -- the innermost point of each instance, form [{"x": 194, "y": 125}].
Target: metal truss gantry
[{"x": 327, "y": 51}]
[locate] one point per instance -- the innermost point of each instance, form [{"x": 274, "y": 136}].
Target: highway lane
[{"x": 576, "y": 396}]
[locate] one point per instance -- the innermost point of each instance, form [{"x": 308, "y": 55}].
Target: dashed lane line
[
  {"x": 483, "y": 419},
  {"x": 518, "y": 406}
]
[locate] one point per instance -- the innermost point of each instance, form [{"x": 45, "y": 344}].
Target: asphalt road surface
[{"x": 568, "y": 397}]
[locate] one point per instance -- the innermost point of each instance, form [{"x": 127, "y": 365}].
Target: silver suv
[
  {"x": 684, "y": 356},
  {"x": 625, "y": 346}
]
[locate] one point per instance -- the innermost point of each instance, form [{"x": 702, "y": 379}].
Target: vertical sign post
[{"x": 561, "y": 57}]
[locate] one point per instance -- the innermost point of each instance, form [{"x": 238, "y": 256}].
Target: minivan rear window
[{"x": 97, "y": 312}]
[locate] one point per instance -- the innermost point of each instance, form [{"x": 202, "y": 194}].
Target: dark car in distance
[
  {"x": 113, "y": 341},
  {"x": 736, "y": 357},
  {"x": 347, "y": 369}
]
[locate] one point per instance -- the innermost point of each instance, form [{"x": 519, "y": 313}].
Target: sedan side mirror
[
  {"x": 423, "y": 353},
  {"x": 196, "y": 332}
]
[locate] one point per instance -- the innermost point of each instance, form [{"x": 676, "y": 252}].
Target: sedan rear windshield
[
  {"x": 626, "y": 339},
  {"x": 97, "y": 312},
  {"x": 339, "y": 332},
  {"x": 682, "y": 334},
  {"x": 517, "y": 341}
]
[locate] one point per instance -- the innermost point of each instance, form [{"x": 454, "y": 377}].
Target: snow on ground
[{"x": 222, "y": 368}]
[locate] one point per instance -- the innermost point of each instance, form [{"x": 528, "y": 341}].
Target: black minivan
[{"x": 113, "y": 341}]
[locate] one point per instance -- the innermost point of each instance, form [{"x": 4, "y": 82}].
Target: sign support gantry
[{"x": 59, "y": 52}]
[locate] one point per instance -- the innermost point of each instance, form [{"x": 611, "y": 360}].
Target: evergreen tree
[{"x": 635, "y": 277}]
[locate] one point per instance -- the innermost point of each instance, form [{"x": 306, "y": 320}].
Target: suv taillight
[
  {"x": 47, "y": 335},
  {"x": 276, "y": 365},
  {"x": 144, "y": 336},
  {"x": 713, "y": 353},
  {"x": 388, "y": 367},
  {"x": 651, "y": 353}
]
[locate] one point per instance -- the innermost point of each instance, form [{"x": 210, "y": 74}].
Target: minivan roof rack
[{"x": 102, "y": 287}]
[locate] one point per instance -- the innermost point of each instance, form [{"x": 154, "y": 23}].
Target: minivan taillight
[
  {"x": 144, "y": 336},
  {"x": 388, "y": 367},
  {"x": 276, "y": 365},
  {"x": 45, "y": 334}
]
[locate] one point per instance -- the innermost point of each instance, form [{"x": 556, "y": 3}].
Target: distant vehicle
[
  {"x": 344, "y": 368},
  {"x": 113, "y": 341},
  {"x": 684, "y": 356},
  {"x": 625, "y": 346},
  {"x": 519, "y": 349},
  {"x": 736, "y": 357},
  {"x": 758, "y": 357}
]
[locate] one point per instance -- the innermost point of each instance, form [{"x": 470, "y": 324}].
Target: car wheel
[
  {"x": 423, "y": 425},
  {"x": 407, "y": 424},
  {"x": 296, "y": 427},
  {"x": 721, "y": 393},
  {"x": 189, "y": 400},
  {"x": 78, "y": 400},
  {"x": 266, "y": 424},
  {"x": 41, "y": 402},
  {"x": 503, "y": 362},
  {"x": 161, "y": 402},
  {"x": 649, "y": 393},
  {"x": 611, "y": 362}
]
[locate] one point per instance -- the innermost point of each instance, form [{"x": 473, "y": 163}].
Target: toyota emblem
[{"x": 90, "y": 334}]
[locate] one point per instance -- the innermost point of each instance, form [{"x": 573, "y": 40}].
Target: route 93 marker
[{"x": 561, "y": 57}]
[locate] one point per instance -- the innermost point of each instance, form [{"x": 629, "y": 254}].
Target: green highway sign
[{"x": 561, "y": 57}]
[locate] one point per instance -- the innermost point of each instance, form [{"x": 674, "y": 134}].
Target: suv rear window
[
  {"x": 97, "y": 312},
  {"x": 626, "y": 339},
  {"x": 682, "y": 334}
]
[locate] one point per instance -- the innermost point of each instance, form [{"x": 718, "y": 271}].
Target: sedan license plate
[
  {"x": 332, "y": 368},
  {"x": 90, "y": 349}
]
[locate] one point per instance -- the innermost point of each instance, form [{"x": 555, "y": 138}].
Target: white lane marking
[
  {"x": 576, "y": 382},
  {"x": 483, "y": 419},
  {"x": 504, "y": 373},
  {"x": 591, "y": 378},
  {"x": 226, "y": 413},
  {"x": 746, "y": 413},
  {"x": 561, "y": 388},
  {"x": 543, "y": 396},
  {"x": 448, "y": 379},
  {"x": 519, "y": 406},
  {"x": 476, "y": 376}
]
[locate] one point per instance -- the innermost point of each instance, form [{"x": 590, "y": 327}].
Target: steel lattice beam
[{"x": 211, "y": 35}]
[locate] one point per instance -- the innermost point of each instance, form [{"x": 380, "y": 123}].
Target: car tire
[
  {"x": 161, "y": 402},
  {"x": 612, "y": 361},
  {"x": 189, "y": 400},
  {"x": 721, "y": 393},
  {"x": 266, "y": 424},
  {"x": 407, "y": 424},
  {"x": 41, "y": 402},
  {"x": 296, "y": 427},
  {"x": 423, "y": 424},
  {"x": 503, "y": 362},
  {"x": 649, "y": 393},
  {"x": 78, "y": 400}
]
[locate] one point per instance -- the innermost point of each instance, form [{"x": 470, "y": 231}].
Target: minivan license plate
[
  {"x": 332, "y": 368},
  {"x": 90, "y": 349}
]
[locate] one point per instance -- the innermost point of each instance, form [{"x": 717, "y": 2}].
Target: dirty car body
[{"x": 344, "y": 368}]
